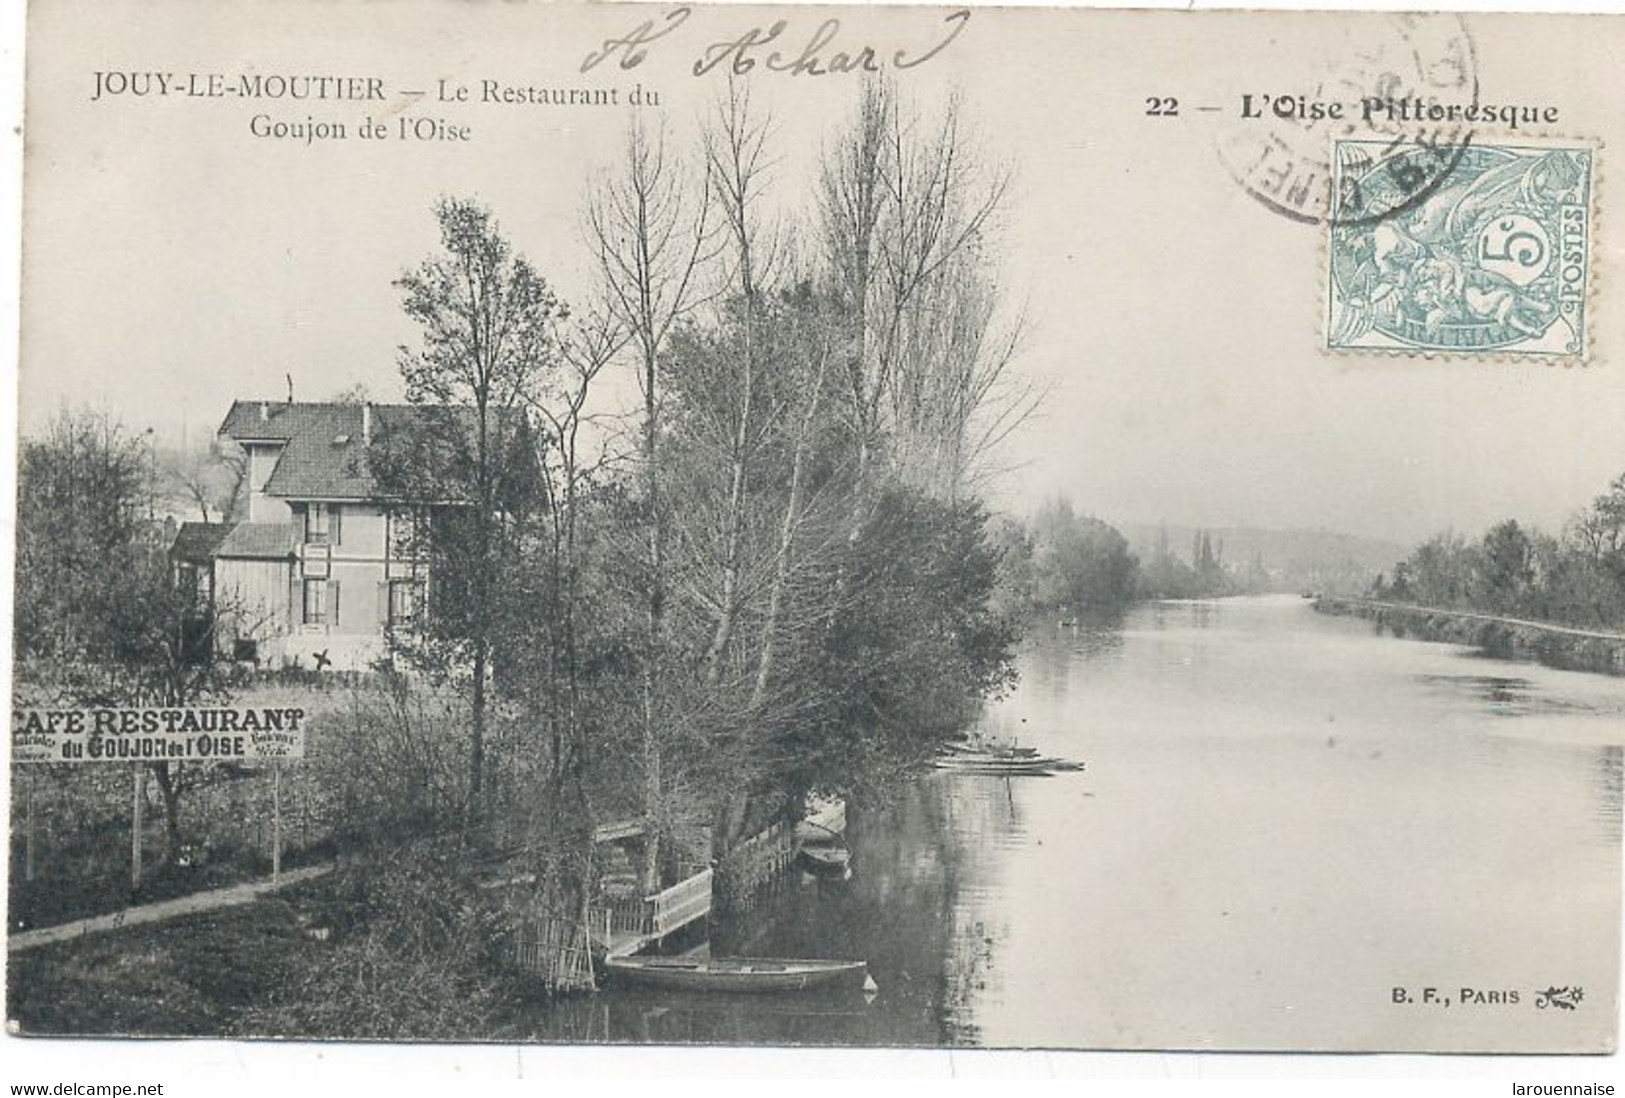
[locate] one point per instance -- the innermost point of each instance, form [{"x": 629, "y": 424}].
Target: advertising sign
[{"x": 193, "y": 733}]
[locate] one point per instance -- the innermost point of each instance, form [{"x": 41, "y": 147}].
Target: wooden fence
[
  {"x": 755, "y": 862},
  {"x": 558, "y": 951},
  {"x": 629, "y": 915}
]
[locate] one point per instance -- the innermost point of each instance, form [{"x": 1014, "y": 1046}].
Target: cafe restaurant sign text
[{"x": 157, "y": 735}]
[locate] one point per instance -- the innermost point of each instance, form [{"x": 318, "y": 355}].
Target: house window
[
  {"x": 187, "y": 582},
  {"x": 315, "y": 602},
  {"x": 406, "y": 534},
  {"x": 403, "y": 601},
  {"x": 324, "y": 523}
]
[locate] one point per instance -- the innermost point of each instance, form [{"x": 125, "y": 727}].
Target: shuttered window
[
  {"x": 324, "y": 524},
  {"x": 403, "y": 602},
  {"x": 315, "y": 602},
  {"x": 316, "y": 523}
]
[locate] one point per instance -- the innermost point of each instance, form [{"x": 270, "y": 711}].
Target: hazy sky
[{"x": 175, "y": 262}]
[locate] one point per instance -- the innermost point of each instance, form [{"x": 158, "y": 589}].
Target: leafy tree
[
  {"x": 1080, "y": 562},
  {"x": 352, "y": 394},
  {"x": 486, "y": 320},
  {"x": 903, "y": 666},
  {"x": 1577, "y": 579},
  {"x": 1016, "y": 592},
  {"x": 1506, "y": 566}
]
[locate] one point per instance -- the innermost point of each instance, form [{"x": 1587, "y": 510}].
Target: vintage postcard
[{"x": 909, "y": 526}]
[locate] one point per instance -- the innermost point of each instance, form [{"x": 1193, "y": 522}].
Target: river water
[{"x": 1284, "y": 817}]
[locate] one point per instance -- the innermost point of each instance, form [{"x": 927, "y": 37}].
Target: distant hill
[{"x": 1294, "y": 560}]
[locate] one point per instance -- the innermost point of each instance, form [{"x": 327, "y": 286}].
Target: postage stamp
[{"x": 1470, "y": 248}]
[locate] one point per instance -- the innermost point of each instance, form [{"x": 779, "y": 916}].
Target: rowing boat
[
  {"x": 748, "y": 974},
  {"x": 989, "y": 751},
  {"x": 988, "y": 765},
  {"x": 826, "y": 818},
  {"x": 826, "y": 858},
  {"x": 1002, "y": 761}
]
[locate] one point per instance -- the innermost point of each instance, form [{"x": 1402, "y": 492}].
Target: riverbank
[{"x": 1502, "y": 637}]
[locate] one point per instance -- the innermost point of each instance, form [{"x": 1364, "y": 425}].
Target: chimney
[
  {"x": 265, "y": 412},
  {"x": 366, "y": 423}
]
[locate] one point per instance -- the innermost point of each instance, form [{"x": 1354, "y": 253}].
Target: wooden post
[
  {"x": 137, "y": 799},
  {"x": 30, "y": 830},
  {"x": 276, "y": 820}
]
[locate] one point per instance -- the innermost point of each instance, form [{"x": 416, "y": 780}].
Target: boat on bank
[
  {"x": 1002, "y": 761},
  {"x": 999, "y": 770},
  {"x": 738, "y": 974},
  {"x": 975, "y": 750},
  {"x": 825, "y": 819}
]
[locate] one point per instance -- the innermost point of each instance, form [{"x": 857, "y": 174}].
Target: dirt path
[{"x": 163, "y": 910}]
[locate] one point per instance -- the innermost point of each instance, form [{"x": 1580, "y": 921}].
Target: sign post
[
  {"x": 276, "y": 820},
  {"x": 139, "y": 796},
  {"x": 30, "y": 832}
]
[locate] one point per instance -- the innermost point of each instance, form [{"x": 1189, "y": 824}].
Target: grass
[
  {"x": 404, "y": 958},
  {"x": 191, "y": 977}
]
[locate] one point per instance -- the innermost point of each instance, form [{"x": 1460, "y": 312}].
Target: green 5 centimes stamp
[{"x": 1456, "y": 247}]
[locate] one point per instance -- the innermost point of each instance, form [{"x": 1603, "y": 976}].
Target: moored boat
[
  {"x": 983, "y": 751},
  {"x": 745, "y": 974},
  {"x": 826, "y": 817},
  {"x": 1014, "y": 766},
  {"x": 1001, "y": 759},
  {"x": 826, "y": 858},
  {"x": 977, "y": 764}
]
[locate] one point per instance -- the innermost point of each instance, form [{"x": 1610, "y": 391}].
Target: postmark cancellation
[{"x": 1462, "y": 247}]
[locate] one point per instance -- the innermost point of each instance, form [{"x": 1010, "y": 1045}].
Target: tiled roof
[
  {"x": 198, "y": 541},
  {"x": 204, "y": 541},
  {"x": 258, "y": 540},
  {"x": 324, "y": 454}
]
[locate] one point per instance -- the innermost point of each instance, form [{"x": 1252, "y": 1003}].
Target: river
[{"x": 1284, "y": 817}]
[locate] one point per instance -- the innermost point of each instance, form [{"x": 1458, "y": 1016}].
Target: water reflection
[
  {"x": 1608, "y": 786},
  {"x": 1506, "y": 695},
  {"x": 1282, "y": 817}
]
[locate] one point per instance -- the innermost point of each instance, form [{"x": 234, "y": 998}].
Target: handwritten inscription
[
  {"x": 776, "y": 48},
  {"x": 632, "y": 47}
]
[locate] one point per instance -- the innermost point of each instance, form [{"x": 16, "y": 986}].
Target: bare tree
[
  {"x": 907, "y": 211},
  {"x": 953, "y": 397},
  {"x": 812, "y": 382},
  {"x": 98, "y": 614},
  {"x": 649, "y": 233},
  {"x": 586, "y": 349},
  {"x": 210, "y": 480},
  {"x": 735, "y": 146},
  {"x": 853, "y": 207}
]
